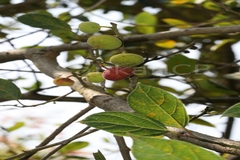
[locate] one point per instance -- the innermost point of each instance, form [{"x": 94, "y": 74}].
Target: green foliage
[
  {"x": 73, "y": 146},
  {"x": 233, "y": 111},
  {"x": 125, "y": 124},
  {"x": 145, "y": 22},
  {"x": 211, "y": 88},
  {"x": 34, "y": 86},
  {"x": 202, "y": 122},
  {"x": 66, "y": 35},
  {"x": 158, "y": 104},
  {"x": 99, "y": 156},
  {"x": 16, "y": 126},
  {"x": 155, "y": 148},
  {"x": 9, "y": 90},
  {"x": 181, "y": 65},
  {"x": 44, "y": 21}
]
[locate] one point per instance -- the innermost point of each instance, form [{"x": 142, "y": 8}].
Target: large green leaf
[
  {"x": 233, "y": 111},
  {"x": 158, "y": 104},
  {"x": 9, "y": 90},
  {"x": 44, "y": 21},
  {"x": 125, "y": 124},
  {"x": 155, "y": 148},
  {"x": 181, "y": 65}
]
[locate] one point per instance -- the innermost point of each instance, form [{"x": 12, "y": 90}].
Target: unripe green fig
[
  {"x": 89, "y": 27},
  {"x": 95, "y": 77},
  {"x": 105, "y": 42},
  {"x": 126, "y": 59},
  {"x": 117, "y": 73}
]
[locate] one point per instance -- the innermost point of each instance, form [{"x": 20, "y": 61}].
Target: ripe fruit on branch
[
  {"x": 117, "y": 73},
  {"x": 63, "y": 81},
  {"x": 95, "y": 77},
  {"x": 89, "y": 27},
  {"x": 106, "y": 42},
  {"x": 126, "y": 59}
]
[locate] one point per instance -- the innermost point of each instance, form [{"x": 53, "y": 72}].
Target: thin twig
[
  {"x": 93, "y": 6},
  {"x": 171, "y": 54},
  {"x": 78, "y": 135},
  {"x": 59, "y": 129},
  {"x": 227, "y": 9},
  {"x": 64, "y": 144},
  {"x": 51, "y": 100}
]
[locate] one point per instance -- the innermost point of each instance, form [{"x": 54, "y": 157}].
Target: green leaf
[
  {"x": 44, "y": 21},
  {"x": 99, "y": 156},
  {"x": 72, "y": 55},
  {"x": 233, "y": 111},
  {"x": 181, "y": 65},
  {"x": 210, "y": 87},
  {"x": 73, "y": 146},
  {"x": 158, "y": 104},
  {"x": 9, "y": 90},
  {"x": 222, "y": 43},
  {"x": 211, "y": 6},
  {"x": 125, "y": 124},
  {"x": 155, "y": 148},
  {"x": 202, "y": 122},
  {"x": 145, "y": 22},
  {"x": 16, "y": 126},
  {"x": 65, "y": 16},
  {"x": 66, "y": 35},
  {"x": 34, "y": 86}
]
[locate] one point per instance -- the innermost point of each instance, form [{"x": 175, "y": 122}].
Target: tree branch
[
  {"x": 45, "y": 60},
  {"x": 58, "y": 130},
  {"x": 123, "y": 147},
  {"x": 18, "y": 54},
  {"x": 182, "y": 32},
  {"x": 211, "y": 100},
  {"x": 221, "y": 145},
  {"x": 76, "y": 136}
]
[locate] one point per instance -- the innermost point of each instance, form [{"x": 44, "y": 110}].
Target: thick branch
[
  {"x": 20, "y": 53},
  {"x": 221, "y": 145},
  {"x": 46, "y": 63}
]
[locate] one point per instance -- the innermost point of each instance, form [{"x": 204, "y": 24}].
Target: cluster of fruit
[{"x": 124, "y": 63}]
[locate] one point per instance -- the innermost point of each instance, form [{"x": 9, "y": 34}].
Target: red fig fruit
[{"x": 117, "y": 73}]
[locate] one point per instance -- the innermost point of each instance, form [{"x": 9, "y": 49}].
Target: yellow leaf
[
  {"x": 178, "y": 1},
  {"x": 176, "y": 22},
  {"x": 166, "y": 43}
]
